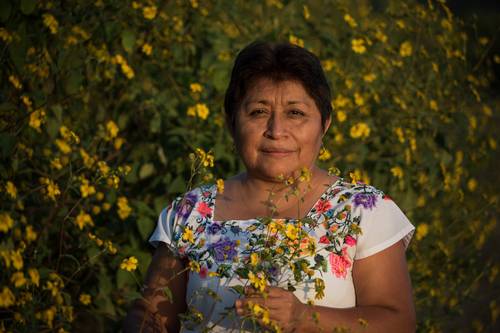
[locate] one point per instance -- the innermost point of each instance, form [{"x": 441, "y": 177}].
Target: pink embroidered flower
[
  {"x": 324, "y": 240},
  {"x": 322, "y": 206},
  {"x": 200, "y": 229},
  {"x": 386, "y": 197},
  {"x": 349, "y": 240},
  {"x": 340, "y": 263},
  {"x": 204, "y": 209},
  {"x": 203, "y": 272}
]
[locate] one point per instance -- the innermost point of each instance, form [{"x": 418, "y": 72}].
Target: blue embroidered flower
[
  {"x": 224, "y": 249},
  {"x": 214, "y": 228}
]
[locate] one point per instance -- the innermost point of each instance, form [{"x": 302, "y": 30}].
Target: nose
[{"x": 276, "y": 128}]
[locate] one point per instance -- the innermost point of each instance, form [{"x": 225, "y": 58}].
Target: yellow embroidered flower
[
  {"x": 18, "y": 279},
  {"x": 7, "y": 298},
  {"x": 188, "y": 235},
  {"x": 85, "y": 299},
  {"x": 319, "y": 287},
  {"x": 360, "y": 130},
  {"x": 34, "y": 276},
  {"x": 397, "y": 172},
  {"x": 149, "y": 12},
  {"x": 358, "y": 45},
  {"x": 405, "y": 50},
  {"x": 350, "y": 21},
  {"x": 124, "y": 209},
  {"x": 83, "y": 219},
  {"x": 129, "y": 264}
]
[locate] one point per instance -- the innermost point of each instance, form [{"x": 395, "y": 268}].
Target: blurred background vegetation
[{"x": 102, "y": 101}]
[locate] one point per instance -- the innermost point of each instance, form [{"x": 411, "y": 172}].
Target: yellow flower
[
  {"x": 63, "y": 146},
  {"x": 18, "y": 279},
  {"x": 50, "y": 22},
  {"x": 433, "y": 105},
  {"x": 319, "y": 287},
  {"x": 296, "y": 41},
  {"x": 202, "y": 111},
  {"x": 358, "y": 99},
  {"x": 360, "y": 130},
  {"x": 103, "y": 167},
  {"x": 305, "y": 175},
  {"x": 111, "y": 248},
  {"x": 194, "y": 266},
  {"x": 405, "y": 49},
  {"x": 254, "y": 259},
  {"x": 7, "y": 298},
  {"x": 30, "y": 234},
  {"x": 220, "y": 185},
  {"x": 381, "y": 36},
  {"x": 86, "y": 189},
  {"x": 350, "y": 21},
  {"x": 306, "y": 12},
  {"x": 87, "y": 160},
  {"x": 37, "y": 118},
  {"x": 15, "y": 82},
  {"x": 11, "y": 189},
  {"x": 369, "y": 77},
  {"x": 147, "y": 49},
  {"x": 472, "y": 184},
  {"x": 358, "y": 45},
  {"x": 328, "y": 65},
  {"x": 196, "y": 87},
  {"x": 83, "y": 219},
  {"x": 397, "y": 172},
  {"x": 129, "y": 264},
  {"x": 291, "y": 231},
  {"x": 258, "y": 282},
  {"x": 324, "y": 154},
  {"x": 400, "y": 134},
  {"x": 188, "y": 235},
  {"x": 422, "y": 231},
  {"x": 341, "y": 116},
  {"x": 85, "y": 299},
  {"x": 17, "y": 259},
  {"x": 111, "y": 130},
  {"x": 118, "y": 143},
  {"x": 34, "y": 276},
  {"x": 56, "y": 163},
  {"x": 51, "y": 189},
  {"x": 149, "y": 12},
  {"x": 124, "y": 209}
]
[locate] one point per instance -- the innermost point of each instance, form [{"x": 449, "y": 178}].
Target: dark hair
[{"x": 278, "y": 62}]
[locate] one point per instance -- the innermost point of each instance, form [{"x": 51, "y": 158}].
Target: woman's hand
[{"x": 282, "y": 306}]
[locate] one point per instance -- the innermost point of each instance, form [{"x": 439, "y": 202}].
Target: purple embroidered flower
[
  {"x": 224, "y": 249},
  {"x": 214, "y": 228},
  {"x": 187, "y": 204},
  {"x": 368, "y": 200}
]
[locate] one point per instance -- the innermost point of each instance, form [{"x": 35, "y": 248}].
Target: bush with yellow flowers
[{"x": 103, "y": 101}]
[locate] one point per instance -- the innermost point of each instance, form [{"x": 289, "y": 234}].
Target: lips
[{"x": 276, "y": 152}]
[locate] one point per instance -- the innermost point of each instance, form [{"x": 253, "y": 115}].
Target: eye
[
  {"x": 296, "y": 113},
  {"x": 257, "y": 112}
]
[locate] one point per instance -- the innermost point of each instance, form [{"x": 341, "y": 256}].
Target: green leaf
[
  {"x": 145, "y": 226},
  {"x": 240, "y": 290},
  {"x": 146, "y": 170},
  {"x": 5, "y": 10},
  {"x": 7, "y": 142},
  {"x": 124, "y": 278},
  {"x": 73, "y": 82},
  {"x": 168, "y": 293},
  {"x": 128, "y": 40},
  {"x": 27, "y": 6}
]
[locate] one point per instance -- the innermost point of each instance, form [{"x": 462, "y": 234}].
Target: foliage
[{"x": 101, "y": 103}]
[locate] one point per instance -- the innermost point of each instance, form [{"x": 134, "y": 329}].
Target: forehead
[{"x": 265, "y": 89}]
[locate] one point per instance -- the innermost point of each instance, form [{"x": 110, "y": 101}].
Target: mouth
[{"x": 272, "y": 152}]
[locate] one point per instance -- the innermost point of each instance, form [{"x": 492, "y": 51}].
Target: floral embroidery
[
  {"x": 224, "y": 249},
  {"x": 323, "y": 205},
  {"x": 187, "y": 205},
  {"x": 204, "y": 209},
  {"x": 340, "y": 264},
  {"x": 368, "y": 200}
]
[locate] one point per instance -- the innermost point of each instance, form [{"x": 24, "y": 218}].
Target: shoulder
[{"x": 184, "y": 204}]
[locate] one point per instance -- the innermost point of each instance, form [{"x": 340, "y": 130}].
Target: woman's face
[{"x": 278, "y": 129}]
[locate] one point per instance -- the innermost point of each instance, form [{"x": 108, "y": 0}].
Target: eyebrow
[{"x": 266, "y": 102}]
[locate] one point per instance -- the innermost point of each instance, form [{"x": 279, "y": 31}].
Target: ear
[{"x": 328, "y": 122}]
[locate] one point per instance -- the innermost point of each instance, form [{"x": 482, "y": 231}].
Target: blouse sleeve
[
  {"x": 382, "y": 226},
  {"x": 168, "y": 228}
]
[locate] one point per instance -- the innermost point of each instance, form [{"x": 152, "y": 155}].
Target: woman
[{"x": 278, "y": 110}]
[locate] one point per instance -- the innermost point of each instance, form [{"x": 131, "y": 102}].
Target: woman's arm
[
  {"x": 383, "y": 297},
  {"x": 383, "y": 300},
  {"x": 156, "y": 312}
]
